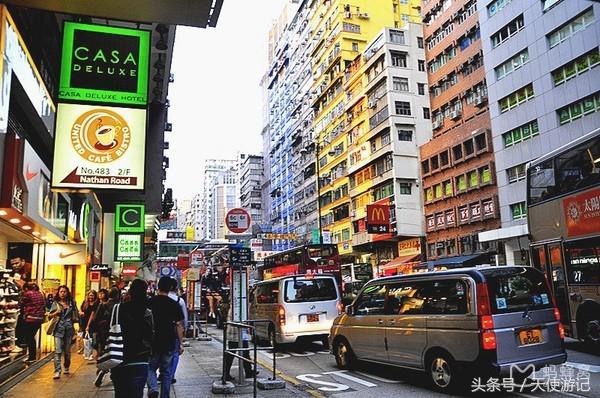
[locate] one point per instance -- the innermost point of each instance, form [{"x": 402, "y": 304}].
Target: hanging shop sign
[
  {"x": 129, "y": 218},
  {"x": 129, "y": 247},
  {"x": 13, "y": 194},
  {"x": 104, "y": 64},
  {"x": 16, "y": 61},
  {"x": 409, "y": 247},
  {"x": 378, "y": 219},
  {"x": 65, "y": 254},
  {"x": 104, "y": 269},
  {"x": 99, "y": 147}
]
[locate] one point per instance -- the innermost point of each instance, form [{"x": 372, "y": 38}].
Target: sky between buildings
[{"x": 216, "y": 99}]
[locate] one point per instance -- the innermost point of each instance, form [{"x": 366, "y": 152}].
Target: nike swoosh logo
[
  {"x": 29, "y": 175},
  {"x": 62, "y": 255}
]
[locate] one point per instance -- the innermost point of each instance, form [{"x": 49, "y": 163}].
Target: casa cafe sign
[
  {"x": 104, "y": 64},
  {"x": 99, "y": 147}
]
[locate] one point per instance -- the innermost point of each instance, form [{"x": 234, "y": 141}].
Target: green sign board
[
  {"x": 129, "y": 247},
  {"x": 129, "y": 218},
  {"x": 104, "y": 64}
]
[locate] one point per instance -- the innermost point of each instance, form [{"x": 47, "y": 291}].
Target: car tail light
[
  {"x": 561, "y": 331},
  {"x": 556, "y": 314},
  {"x": 340, "y": 307},
  {"x": 281, "y": 315},
  {"x": 486, "y": 322}
]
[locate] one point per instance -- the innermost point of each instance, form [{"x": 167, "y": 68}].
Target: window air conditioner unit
[
  {"x": 372, "y": 103},
  {"x": 455, "y": 114},
  {"x": 436, "y": 125},
  {"x": 347, "y": 14},
  {"x": 480, "y": 100},
  {"x": 363, "y": 15}
]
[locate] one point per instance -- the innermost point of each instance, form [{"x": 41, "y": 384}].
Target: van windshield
[
  {"x": 517, "y": 289},
  {"x": 306, "y": 290}
]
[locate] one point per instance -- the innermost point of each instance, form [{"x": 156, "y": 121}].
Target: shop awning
[
  {"x": 458, "y": 260},
  {"x": 400, "y": 260}
]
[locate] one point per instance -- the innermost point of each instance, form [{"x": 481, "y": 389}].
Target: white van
[{"x": 300, "y": 306}]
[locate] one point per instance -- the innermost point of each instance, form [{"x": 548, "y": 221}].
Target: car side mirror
[{"x": 349, "y": 310}]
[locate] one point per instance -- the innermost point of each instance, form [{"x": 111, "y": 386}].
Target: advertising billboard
[
  {"x": 99, "y": 147},
  {"x": 129, "y": 218},
  {"x": 104, "y": 64}
]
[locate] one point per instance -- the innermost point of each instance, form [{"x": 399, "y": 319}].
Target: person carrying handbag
[
  {"x": 64, "y": 316},
  {"x": 34, "y": 308}
]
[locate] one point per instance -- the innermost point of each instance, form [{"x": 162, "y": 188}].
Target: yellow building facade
[{"x": 340, "y": 33}]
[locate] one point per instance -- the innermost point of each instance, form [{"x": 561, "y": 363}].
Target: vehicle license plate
[
  {"x": 312, "y": 318},
  {"x": 531, "y": 336}
]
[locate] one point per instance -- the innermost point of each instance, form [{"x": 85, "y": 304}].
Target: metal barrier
[
  {"x": 197, "y": 322},
  {"x": 250, "y": 325}
]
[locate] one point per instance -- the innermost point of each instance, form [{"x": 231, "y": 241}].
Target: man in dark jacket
[
  {"x": 136, "y": 323},
  {"x": 102, "y": 324},
  {"x": 168, "y": 337}
]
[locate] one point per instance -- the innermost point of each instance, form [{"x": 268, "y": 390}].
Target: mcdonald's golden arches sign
[{"x": 378, "y": 219}]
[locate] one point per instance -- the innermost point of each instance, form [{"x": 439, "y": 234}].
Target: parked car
[
  {"x": 299, "y": 306},
  {"x": 484, "y": 320}
]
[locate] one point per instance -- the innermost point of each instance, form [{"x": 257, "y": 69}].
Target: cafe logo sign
[
  {"x": 104, "y": 64},
  {"x": 129, "y": 218},
  {"x": 100, "y": 135}
]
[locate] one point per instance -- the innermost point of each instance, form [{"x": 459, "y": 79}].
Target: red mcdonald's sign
[{"x": 378, "y": 219}]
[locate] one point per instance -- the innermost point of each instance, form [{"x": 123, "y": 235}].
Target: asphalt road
[{"x": 312, "y": 369}]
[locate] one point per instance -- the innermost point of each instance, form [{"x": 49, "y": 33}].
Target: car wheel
[
  {"x": 591, "y": 333},
  {"x": 344, "y": 357},
  {"x": 442, "y": 372},
  {"x": 325, "y": 341}
]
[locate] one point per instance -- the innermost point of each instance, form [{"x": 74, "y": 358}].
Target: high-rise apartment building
[
  {"x": 387, "y": 119},
  {"x": 251, "y": 175},
  {"x": 216, "y": 172},
  {"x": 544, "y": 92},
  {"x": 457, "y": 165}
]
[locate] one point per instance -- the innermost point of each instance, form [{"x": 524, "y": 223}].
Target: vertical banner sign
[
  {"x": 129, "y": 247},
  {"x": 104, "y": 64},
  {"x": 99, "y": 147},
  {"x": 378, "y": 219},
  {"x": 129, "y": 218}
]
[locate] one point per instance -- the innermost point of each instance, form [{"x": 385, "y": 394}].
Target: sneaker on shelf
[
  {"x": 17, "y": 349},
  {"x": 3, "y": 302},
  {"x": 56, "y": 375},
  {"x": 7, "y": 329},
  {"x": 11, "y": 311}
]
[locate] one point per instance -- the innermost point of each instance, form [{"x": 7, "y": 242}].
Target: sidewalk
[{"x": 199, "y": 367}]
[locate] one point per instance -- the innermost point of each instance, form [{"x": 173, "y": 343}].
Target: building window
[
  {"x": 444, "y": 159},
  {"x": 425, "y": 166},
  {"x": 421, "y": 65},
  {"x": 404, "y": 135},
  {"x": 398, "y": 59},
  {"x": 578, "y": 23},
  {"x": 516, "y": 98},
  {"x": 385, "y": 139},
  {"x": 426, "y": 113},
  {"x": 350, "y": 27},
  {"x": 518, "y": 210},
  {"x": 421, "y": 89},
  {"x": 448, "y": 191},
  {"x": 587, "y": 105},
  {"x": 457, "y": 152},
  {"x": 473, "y": 179},
  {"x": 429, "y": 194},
  {"x": 512, "y": 64},
  {"x": 400, "y": 83},
  {"x": 520, "y": 133},
  {"x": 431, "y": 249},
  {"x": 397, "y": 37},
  {"x": 402, "y": 108},
  {"x": 548, "y": 4},
  {"x": 439, "y": 191},
  {"x": 451, "y": 247},
  {"x": 355, "y": 47},
  {"x": 516, "y": 173},
  {"x": 496, "y": 6},
  {"x": 405, "y": 188},
  {"x": 420, "y": 42},
  {"x": 461, "y": 183},
  {"x": 576, "y": 67},
  {"x": 509, "y": 30}
]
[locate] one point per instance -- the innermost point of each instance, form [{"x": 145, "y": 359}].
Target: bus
[
  {"x": 563, "y": 205},
  {"x": 306, "y": 259}
]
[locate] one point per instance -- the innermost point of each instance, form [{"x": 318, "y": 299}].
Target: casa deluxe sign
[
  {"x": 104, "y": 64},
  {"x": 99, "y": 147}
]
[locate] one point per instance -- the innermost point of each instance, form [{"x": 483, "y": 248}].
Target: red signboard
[
  {"x": 582, "y": 213},
  {"x": 183, "y": 261},
  {"x": 237, "y": 220},
  {"x": 129, "y": 270},
  {"x": 378, "y": 219},
  {"x": 95, "y": 276}
]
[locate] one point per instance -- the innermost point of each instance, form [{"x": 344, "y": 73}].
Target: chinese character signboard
[
  {"x": 582, "y": 213},
  {"x": 430, "y": 221},
  {"x": 450, "y": 218},
  {"x": 440, "y": 221},
  {"x": 489, "y": 208},
  {"x": 129, "y": 247},
  {"x": 240, "y": 257},
  {"x": 463, "y": 214},
  {"x": 129, "y": 218},
  {"x": 378, "y": 219},
  {"x": 99, "y": 147},
  {"x": 104, "y": 64}
]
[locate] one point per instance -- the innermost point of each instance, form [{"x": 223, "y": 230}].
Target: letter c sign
[{"x": 129, "y": 218}]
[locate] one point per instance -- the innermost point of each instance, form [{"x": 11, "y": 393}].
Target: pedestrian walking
[
  {"x": 233, "y": 342},
  {"x": 136, "y": 323},
  {"x": 86, "y": 318},
  {"x": 34, "y": 308},
  {"x": 102, "y": 324},
  {"x": 168, "y": 330},
  {"x": 174, "y": 296},
  {"x": 65, "y": 315}
]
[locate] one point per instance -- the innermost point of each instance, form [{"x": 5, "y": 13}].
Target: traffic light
[{"x": 167, "y": 204}]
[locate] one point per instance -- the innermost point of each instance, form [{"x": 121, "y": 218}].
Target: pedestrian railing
[{"x": 249, "y": 325}]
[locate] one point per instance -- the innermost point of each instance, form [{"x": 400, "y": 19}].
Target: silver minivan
[
  {"x": 492, "y": 321},
  {"x": 300, "y": 306}
]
